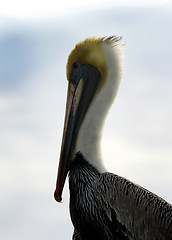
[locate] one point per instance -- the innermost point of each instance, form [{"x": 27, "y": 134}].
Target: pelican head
[{"x": 94, "y": 71}]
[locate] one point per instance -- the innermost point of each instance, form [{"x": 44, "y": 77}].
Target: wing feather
[{"x": 138, "y": 213}]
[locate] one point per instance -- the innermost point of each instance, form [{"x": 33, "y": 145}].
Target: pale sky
[
  {"x": 137, "y": 138},
  {"x": 54, "y": 8}
]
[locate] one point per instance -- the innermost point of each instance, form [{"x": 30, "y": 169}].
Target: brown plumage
[{"x": 114, "y": 208}]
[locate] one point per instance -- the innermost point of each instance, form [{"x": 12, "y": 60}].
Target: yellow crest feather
[{"x": 90, "y": 51}]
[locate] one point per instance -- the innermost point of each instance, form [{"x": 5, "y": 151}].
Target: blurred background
[{"x": 35, "y": 40}]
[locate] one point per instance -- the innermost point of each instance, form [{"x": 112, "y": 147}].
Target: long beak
[{"x": 81, "y": 89}]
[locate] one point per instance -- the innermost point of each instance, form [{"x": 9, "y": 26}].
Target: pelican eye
[
  {"x": 76, "y": 66},
  {"x": 75, "y": 71}
]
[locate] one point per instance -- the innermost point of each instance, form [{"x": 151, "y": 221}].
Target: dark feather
[{"x": 108, "y": 207}]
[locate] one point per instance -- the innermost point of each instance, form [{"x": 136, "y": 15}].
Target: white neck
[{"x": 90, "y": 132}]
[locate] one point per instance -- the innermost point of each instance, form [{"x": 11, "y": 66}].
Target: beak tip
[{"x": 57, "y": 198}]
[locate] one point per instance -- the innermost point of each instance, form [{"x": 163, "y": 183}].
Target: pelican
[{"x": 103, "y": 206}]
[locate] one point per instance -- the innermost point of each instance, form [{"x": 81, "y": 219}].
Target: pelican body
[{"x": 103, "y": 206}]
